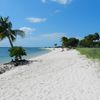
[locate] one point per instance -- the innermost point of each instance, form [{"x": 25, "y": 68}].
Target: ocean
[{"x": 31, "y": 52}]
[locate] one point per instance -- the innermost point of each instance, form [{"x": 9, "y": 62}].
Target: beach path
[{"x": 54, "y": 76}]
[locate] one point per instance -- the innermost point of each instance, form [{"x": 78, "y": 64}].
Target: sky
[{"x": 46, "y": 21}]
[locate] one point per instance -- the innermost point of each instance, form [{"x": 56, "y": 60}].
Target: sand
[{"x": 54, "y": 76}]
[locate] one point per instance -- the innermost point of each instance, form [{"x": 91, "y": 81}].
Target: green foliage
[
  {"x": 72, "y": 42},
  {"x": 86, "y": 43},
  {"x": 64, "y": 41},
  {"x": 69, "y": 42},
  {"x": 90, "y": 52},
  {"x": 6, "y": 30},
  {"x": 17, "y": 52},
  {"x": 92, "y": 40},
  {"x": 96, "y": 36}
]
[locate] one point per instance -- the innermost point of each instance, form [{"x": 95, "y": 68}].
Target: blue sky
[{"x": 46, "y": 21}]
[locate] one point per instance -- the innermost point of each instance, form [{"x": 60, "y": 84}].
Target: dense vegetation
[{"x": 91, "y": 40}]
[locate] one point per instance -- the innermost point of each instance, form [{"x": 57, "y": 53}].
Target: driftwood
[{"x": 7, "y": 66}]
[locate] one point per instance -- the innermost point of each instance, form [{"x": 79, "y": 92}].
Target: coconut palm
[{"x": 6, "y": 30}]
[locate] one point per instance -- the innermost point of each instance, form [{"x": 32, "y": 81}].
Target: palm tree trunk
[{"x": 10, "y": 41}]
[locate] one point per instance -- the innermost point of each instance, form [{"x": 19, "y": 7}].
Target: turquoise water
[{"x": 31, "y": 52}]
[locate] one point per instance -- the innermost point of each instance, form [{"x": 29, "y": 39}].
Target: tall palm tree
[{"x": 6, "y": 30}]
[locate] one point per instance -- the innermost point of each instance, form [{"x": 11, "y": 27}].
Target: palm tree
[{"x": 6, "y": 30}]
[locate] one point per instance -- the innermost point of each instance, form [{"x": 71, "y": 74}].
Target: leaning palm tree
[{"x": 6, "y": 30}]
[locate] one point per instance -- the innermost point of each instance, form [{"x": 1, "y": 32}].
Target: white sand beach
[{"x": 53, "y": 76}]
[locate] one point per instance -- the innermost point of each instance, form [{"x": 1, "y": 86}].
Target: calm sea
[{"x": 31, "y": 52}]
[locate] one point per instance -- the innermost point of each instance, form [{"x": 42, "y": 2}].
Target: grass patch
[{"x": 93, "y": 53}]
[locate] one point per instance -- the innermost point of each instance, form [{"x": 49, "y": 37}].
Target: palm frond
[
  {"x": 13, "y": 38},
  {"x": 20, "y": 33},
  {"x": 1, "y": 19},
  {"x": 6, "y": 19},
  {"x": 9, "y": 25},
  {"x": 2, "y": 36}
]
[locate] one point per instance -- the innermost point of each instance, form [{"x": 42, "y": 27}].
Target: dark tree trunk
[
  {"x": 10, "y": 41},
  {"x": 20, "y": 57}
]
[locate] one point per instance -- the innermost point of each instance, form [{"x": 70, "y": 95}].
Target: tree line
[{"x": 91, "y": 40}]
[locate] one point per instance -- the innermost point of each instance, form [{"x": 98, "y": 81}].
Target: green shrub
[{"x": 17, "y": 52}]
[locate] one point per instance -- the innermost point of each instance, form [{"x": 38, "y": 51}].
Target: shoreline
[
  {"x": 30, "y": 53},
  {"x": 4, "y": 67}
]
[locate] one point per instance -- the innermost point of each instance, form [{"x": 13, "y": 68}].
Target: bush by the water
[{"x": 17, "y": 52}]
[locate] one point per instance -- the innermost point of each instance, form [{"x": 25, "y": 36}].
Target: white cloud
[
  {"x": 52, "y": 36},
  {"x": 64, "y": 2},
  {"x": 36, "y": 20},
  {"x": 27, "y": 29},
  {"x": 48, "y": 39}
]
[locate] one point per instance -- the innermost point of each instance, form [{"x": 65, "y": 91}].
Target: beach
[{"x": 57, "y": 75}]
